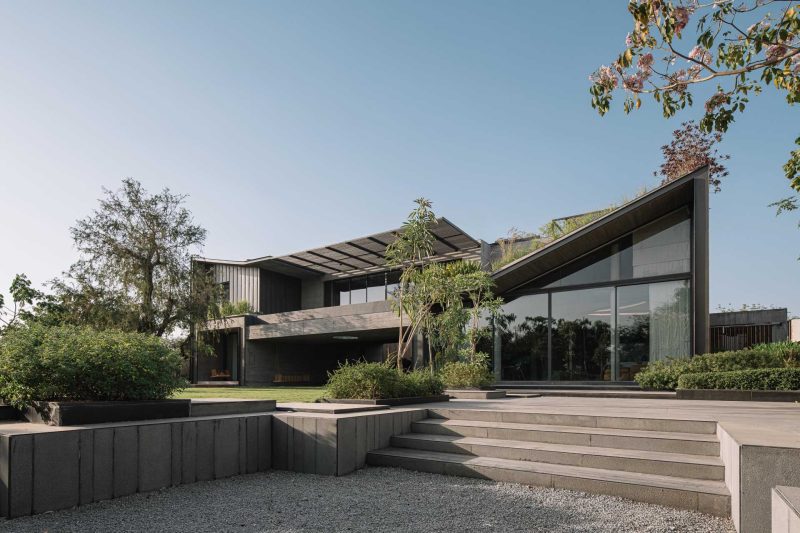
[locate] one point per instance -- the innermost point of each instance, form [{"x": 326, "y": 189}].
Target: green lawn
[{"x": 280, "y": 394}]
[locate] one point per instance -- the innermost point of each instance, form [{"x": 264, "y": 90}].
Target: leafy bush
[
  {"x": 756, "y": 379},
  {"x": 421, "y": 383},
  {"x": 664, "y": 375},
  {"x": 71, "y": 363},
  {"x": 466, "y": 375},
  {"x": 372, "y": 381}
]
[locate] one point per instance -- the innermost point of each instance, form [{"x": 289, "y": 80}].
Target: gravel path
[{"x": 371, "y": 500}]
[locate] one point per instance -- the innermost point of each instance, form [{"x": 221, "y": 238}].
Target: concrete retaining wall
[
  {"x": 326, "y": 444},
  {"x": 751, "y": 471},
  {"x": 786, "y": 510},
  {"x": 65, "y": 467}
]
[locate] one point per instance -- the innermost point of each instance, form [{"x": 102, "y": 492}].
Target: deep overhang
[
  {"x": 648, "y": 207},
  {"x": 360, "y": 256}
]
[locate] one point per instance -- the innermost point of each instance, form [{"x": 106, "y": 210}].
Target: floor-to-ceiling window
[
  {"x": 522, "y": 330},
  {"x": 630, "y": 305},
  {"x": 582, "y": 331}
]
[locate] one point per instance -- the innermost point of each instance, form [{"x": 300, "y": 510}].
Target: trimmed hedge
[
  {"x": 71, "y": 363},
  {"x": 664, "y": 375},
  {"x": 463, "y": 375},
  {"x": 759, "y": 379},
  {"x": 373, "y": 381}
]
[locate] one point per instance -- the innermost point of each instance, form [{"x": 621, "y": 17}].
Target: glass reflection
[
  {"x": 581, "y": 325},
  {"x": 522, "y": 327}
]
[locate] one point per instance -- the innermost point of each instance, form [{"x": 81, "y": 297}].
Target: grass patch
[{"x": 280, "y": 394}]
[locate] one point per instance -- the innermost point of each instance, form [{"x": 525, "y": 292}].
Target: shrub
[
  {"x": 421, "y": 383},
  {"x": 71, "y": 363},
  {"x": 372, "y": 381},
  {"x": 464, "y": 375},
  {"x": 663, "y": 375},
  {"x": 754, "y": 379}
]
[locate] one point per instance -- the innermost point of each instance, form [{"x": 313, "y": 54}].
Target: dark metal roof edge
[
  {"x": 620, "y": 211},
  {"x": 331, "y": 247}
]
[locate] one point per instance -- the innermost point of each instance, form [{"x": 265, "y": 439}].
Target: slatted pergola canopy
[{"x": 362, "y": 255}]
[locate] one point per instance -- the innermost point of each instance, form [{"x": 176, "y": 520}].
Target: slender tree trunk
[
  {"x": 400, "y": 330},
  {"x": 430, "y": 354}
]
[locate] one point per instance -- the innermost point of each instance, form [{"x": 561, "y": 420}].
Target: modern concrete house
[{"x": 591, "y": 307}]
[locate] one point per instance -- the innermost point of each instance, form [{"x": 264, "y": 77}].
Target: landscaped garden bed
[
  {"x": 765, "y": 372},
  {"x": 382, "y": 384},
  {"x": 68, "y": 375},
  {"x": 90, "y": 412}
]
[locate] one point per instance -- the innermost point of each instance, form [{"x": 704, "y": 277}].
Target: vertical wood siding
[{"x": 244, "y": 283}]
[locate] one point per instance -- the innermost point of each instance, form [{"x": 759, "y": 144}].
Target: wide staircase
[{"x": 668, "y": 462}]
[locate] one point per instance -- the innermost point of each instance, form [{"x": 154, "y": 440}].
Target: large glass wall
[
  {"x": 610, "y": 325},
  {"x": 522, "y": 330},
  {"x": 652, "y": 324},
  {"x": 581, "y": 346}
]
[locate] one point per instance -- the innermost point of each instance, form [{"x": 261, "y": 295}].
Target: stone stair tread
[
  {"x": 597, "y": 474},
  {"x": 569, "y": 448},
  {"x": 672, "y": 435}
]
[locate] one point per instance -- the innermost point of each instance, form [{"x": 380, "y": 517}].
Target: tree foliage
[
  {"x": 410, "y": 252},
  {"x": 742, "y": 46},
  {"x": 135, "y": 270},
  {"x": 690, "y": 149},
  {"x": 23, "y": 301}
]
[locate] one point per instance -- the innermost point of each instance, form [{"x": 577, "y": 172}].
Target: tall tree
[
  {"x": 135, "y": 270},
  {"x": 740, "y": 45},
  {"x": 410, "y": 252},
  {"x": 690, "y": 149},
  {"x": 23, "y": 301}
]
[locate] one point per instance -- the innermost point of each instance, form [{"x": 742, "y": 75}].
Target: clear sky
[{"x": 293, "y": 124}]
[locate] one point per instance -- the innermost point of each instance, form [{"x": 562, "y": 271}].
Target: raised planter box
[
  {"x": 475, "y": 394},
  {"x": 739, "y": 395},
  {"x": 230, "y": 406},
  {"x": 82, "y": 413},
  {"x": 395, "y": 401}
]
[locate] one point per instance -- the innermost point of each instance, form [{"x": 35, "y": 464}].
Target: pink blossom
[
  {"x": 698, "y": 53},
  {"x": 634, "y": 82},
  {"x": 645, "y": 63},
  {"x": 681, "y": 18},
  {"x": 628, "y": 40},
  {"x": 605, "y": 77},
  {"x": 775, "y": 51}
]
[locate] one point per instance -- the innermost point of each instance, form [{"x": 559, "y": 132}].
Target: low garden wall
[
  {"x": 45, "y": 469},
  {"x": 318, "y": 443}
]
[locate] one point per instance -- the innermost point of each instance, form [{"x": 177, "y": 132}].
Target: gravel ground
[{"x": 371, "y": 500}]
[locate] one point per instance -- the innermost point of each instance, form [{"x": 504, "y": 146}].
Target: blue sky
[{"x": 297, "y": 124}]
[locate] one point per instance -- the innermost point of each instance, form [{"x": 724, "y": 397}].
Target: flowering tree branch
[{"x": 766, "y": 53}]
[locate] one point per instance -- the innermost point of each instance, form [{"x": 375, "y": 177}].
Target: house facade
[{"x": 593, "y": 306}]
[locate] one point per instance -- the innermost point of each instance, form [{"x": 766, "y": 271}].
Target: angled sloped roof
[
  {"x": 617, "y": 223},
  {"x": 362, "y": 255}
]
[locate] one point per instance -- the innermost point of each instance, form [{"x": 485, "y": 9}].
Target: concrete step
[
  {"x": 710, "y": 497},
  {"x": 591, "y": 421},
  {"x": 645, "y": 462},
  {"x": 586, "y": 385},
  {"x": 657, "y": 441}
]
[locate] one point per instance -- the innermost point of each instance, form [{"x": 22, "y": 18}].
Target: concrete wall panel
[
  {"x": 103, "y": 464},
  {"x": 155, "y": 457},
  {"x": 56, "y": 460},
  {"x": 86, "y": 467},
  {"x": 205, "y": 450},
  {"x": 188, "y": 452},
  {"x": 20, "y": 478},
  {"x": 126, "y": 460}
]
